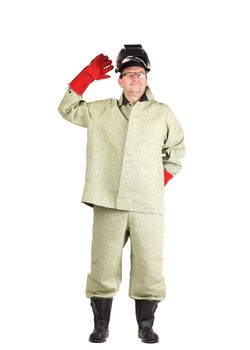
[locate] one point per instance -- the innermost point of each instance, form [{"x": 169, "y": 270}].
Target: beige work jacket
[{"x": 126, "y": 158}]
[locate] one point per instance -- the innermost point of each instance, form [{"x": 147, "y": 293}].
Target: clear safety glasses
[{"x": 133, "y": 75}]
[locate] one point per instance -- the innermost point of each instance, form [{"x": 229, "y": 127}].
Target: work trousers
[{"x": 111, "y": 230}]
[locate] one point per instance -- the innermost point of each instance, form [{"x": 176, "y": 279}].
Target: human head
[{"x": 131, "y": 82}]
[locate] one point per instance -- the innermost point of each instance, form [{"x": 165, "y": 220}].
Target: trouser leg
[
  {"x": 146, "y": 235},
  {"x": 109, "y": 237}
]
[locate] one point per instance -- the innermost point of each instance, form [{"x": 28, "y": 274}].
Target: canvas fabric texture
[
  {"x": 126, "y": 157},
  {"x": 112, "y": 229}
]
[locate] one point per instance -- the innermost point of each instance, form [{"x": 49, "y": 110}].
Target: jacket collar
[{"x": 147, "y": 96}]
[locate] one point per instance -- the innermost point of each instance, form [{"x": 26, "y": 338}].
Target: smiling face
[{"x": 134, "y": 84}]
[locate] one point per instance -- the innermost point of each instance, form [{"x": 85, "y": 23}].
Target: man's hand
[
  {"x": 99, "y": 66},
  {"x": 96, "y": 70}
]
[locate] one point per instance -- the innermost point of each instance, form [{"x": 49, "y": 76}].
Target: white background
[{"x": 199, "y": 52}]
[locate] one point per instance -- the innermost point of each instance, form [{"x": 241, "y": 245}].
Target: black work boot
[
  {"x": 101, "y": 309},
  {"x": 145, "y": 310}
]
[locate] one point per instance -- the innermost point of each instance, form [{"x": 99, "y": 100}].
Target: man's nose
[{"x": 135, "y": 77}]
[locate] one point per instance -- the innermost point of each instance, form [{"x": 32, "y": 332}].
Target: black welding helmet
[{"x": 132, "y": 55}]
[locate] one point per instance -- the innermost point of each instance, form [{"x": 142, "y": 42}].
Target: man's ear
[{"x": 120, "y": 82}]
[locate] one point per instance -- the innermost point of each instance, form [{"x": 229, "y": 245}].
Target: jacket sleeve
[
  {"x": 74, "y": 109},
  {"x": 173, "y": 148}
]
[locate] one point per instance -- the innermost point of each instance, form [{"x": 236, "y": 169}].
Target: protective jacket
[{"x": 126, "y": 158}]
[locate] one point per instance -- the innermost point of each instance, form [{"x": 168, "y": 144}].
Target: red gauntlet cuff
[{"x": 81, "y": 82}]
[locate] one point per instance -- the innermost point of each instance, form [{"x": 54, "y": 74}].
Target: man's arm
[
  {"x": 72, "y": 107},
  {"x": 173, "y": 149}
]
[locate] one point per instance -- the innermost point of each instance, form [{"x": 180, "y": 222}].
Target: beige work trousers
[{"x": 111, "y": 230}]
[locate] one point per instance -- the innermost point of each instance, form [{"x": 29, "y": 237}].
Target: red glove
[
  {"x": 167, "y": 177},
  {"x": 96, "y": 70}
]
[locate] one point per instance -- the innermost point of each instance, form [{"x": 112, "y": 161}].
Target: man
[{"x": 134, "y": 148}]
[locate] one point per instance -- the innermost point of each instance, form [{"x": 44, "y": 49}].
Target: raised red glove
[
  {"x": 167, "y": 177},
  {"x": 96, "y": 70}
]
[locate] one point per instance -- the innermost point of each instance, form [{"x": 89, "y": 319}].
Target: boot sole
[
  {"x": 150, "y": 342},
  {"x": 97, "y": 341}
]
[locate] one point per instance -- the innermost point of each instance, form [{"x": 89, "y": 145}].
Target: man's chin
[{"x": 136, "y": 90}]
